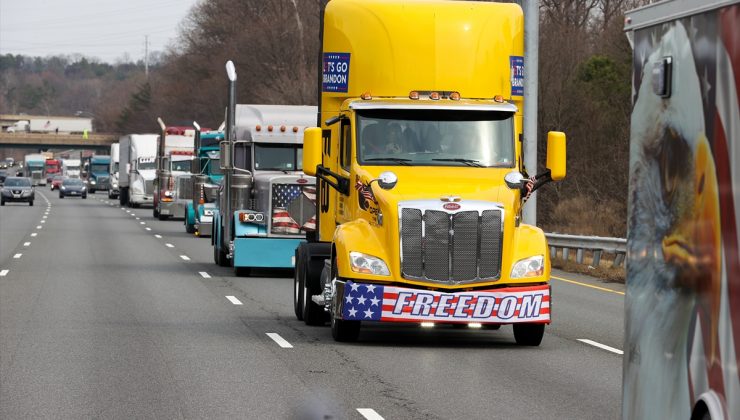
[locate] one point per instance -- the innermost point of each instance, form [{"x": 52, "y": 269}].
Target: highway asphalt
[{"x": 108, "y": 313}]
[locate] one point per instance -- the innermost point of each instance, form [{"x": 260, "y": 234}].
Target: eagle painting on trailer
[{"x": 682, "y": 303}]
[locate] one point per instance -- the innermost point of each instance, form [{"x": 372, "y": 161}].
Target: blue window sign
[
  {"x": 335, "y": 76},
  {"x": 517, "y": 75}
]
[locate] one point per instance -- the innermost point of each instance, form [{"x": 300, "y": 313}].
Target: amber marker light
[
  {"x": 434, "y": 96},
  {"x": 295, "y": 129},
  {"x": 413, "y": 95},
  {"x": 282, "y": 128},
  {"x": 499, "y": 99},
  {"x": 366, "y": 96},
  {"x": 258, "y": 128},
  {"x": 269, "y": 128},
  {"x": 455, "y": 96}
]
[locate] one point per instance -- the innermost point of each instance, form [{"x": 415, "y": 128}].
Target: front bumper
[
  {"x": 373, "y": 302},
  {"x": 17, "y": 198},
  {"x": 68, "y": 193},
  {"x": 265, "y": 252},
  {"x": 141, "y": 199},
  {"x": 172, "y": 208}
]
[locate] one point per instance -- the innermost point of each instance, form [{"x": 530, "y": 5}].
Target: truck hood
[
  {"x": 148, "y": 174},
  {"x": 266, "y": 176}
]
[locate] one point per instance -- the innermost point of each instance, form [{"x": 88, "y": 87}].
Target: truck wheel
[
  {"x": 30, "y": 203},
  {"x": 189, "y": 228},
  {"x": 529, "y": 334},
  {"x": 313, "y": 314},
  {"x": 298, "y": 284},
  {"x": 219, "y": 257},
  {"x": 2, "y": 202},
  {"x": 155, "y": 212}
]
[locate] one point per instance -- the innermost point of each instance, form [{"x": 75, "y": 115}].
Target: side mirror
[
  {"x": 514, "y": 180},
  {"x": 311, "y": 150},
  {"x": 387, "y": 180},
  {"x": 556, "y": 155},
  {"x": 225, "y": 155}
]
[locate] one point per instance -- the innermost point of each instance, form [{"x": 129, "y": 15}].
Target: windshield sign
[{"x": 435, "y": 138}]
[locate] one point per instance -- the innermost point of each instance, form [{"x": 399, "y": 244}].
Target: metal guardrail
[{"x": 597, "y": 244}]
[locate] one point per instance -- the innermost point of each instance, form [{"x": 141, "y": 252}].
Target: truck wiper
[
  {"x": 402, "y": 161},
  {"x": 469, "y": 162}
]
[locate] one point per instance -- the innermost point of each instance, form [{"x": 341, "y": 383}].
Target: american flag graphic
[
  {"x": 286, "y": 201},
  {"x": 371, "y": 302},
  {"x": 364, "y": 191}
]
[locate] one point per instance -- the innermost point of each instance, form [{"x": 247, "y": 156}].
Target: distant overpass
[{"x": 95, "y": 141}]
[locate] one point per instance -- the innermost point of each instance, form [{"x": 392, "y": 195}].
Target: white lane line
[
  {"x": 204, "y": 275},
  {"x": 33, "y": 235},
  {"x": 601, "y": 346},
  {"x": 169, "y": 245},
  {"x": 17, "y": 256},
  {"x": 185, "y": 257},
  {"x": 43, "y": 221},
  {"x": 38, "y": 227},
  {"x": 26, "y": 244},
  {"x": 138, "y": 218},
  {"x": 44, "y": 216},
  {"x": 280, "y": 340},
  {"x": 148, "y": 228},
  {"x": 142, "y": 223},
  {"x": 369, "y": 414},
  {"x": 4, "y": 273},
  {"x": 158, "y": 236},
  {"x": 233, "y": 300}
]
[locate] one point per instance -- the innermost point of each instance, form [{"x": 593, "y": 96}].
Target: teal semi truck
[
  {"x": 96, "y": 173},
  {"x": 205, "y": 181}
]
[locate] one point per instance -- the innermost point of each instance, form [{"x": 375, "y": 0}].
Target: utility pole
[
  {"x": 146, "y": 56},
  {"x": 531, "y": 85}
]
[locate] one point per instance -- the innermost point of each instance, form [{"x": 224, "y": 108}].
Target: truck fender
[
  {"x": 189, "y": 214},
  {"x": 359, "y": 236},
  {"x": 528, "y": 241}
]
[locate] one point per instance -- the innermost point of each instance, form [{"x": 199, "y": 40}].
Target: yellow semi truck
[{"x": 420, "y": 169}]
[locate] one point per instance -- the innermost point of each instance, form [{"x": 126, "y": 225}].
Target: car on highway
[
  {"x": 56, "y": 182},
  {"x": 17, "y": 189},
  {"x": 73, "y": 187},
  {"x": 3, "y": 165},
  {"x": 3, "y": 175}
]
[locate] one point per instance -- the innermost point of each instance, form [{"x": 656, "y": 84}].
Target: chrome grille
[
  {"x": 149, "y": 187},
  {"x": 451, "y": 247},
  {"x": 184, "y": 187},
  {"x": 293, "y": 209}
]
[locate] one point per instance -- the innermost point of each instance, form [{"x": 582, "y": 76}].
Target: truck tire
[
  {"x": 2, "y": 202},
  {"x": 313, "y": 314},
  {"x": 529, "y": 334},
  {"x": 30, "y": 203},
  {"x": 219, "y": 257},
  {"x": 189, "y": 228},
  {"x": 155, "y": 212},
  {"x": 123, "y": 196},
  {"x": 298, "y": 284}
]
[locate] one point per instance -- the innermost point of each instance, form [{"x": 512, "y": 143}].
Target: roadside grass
[{"x": 605, "y": 271}]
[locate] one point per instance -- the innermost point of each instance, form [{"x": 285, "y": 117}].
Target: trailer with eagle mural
[
  {"x": 682, "y": 321},
  {"x": 271, "y": 203}
]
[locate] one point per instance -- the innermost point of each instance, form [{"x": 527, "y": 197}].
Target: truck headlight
[
  {"x": 92, "y": 181},
  {"x": 115, "y": 185},
  {"x": 528, "y": 267},
  {"x": 367, "y": 264},
  {"x": 63, "y": 187},
  {"x": 168, "y": 194}
]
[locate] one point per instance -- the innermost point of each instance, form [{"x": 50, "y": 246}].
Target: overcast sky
[{"x": 106, "y": 29}]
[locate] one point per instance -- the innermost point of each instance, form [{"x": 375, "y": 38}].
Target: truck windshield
[
  {"x": 435, "y": 138},
  {"x": 145, "y": 165},
  {"x": 96, "y": 168},
  {"x": 278, "y": 157},
  {"x": 181, "y": 165},
  {"x": 212, "y": 166}
]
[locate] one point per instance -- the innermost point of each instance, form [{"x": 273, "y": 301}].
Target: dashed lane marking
[
  {"x": 39, "y": 227},
  {"x": 33, "y": 235},
  {"x": 601, "y": 346},
  {"x": 204, "y": 275},
  {"x": 17, "y": 256},
  {"x": 4, "y": 273},
  {"x": 369, "y": 414},
  {"x": 148, "y": 228},
  {"x": 185, "y": 257},
  {"x": 280, "y": 340},
  {"x": 158, "y": 236},
  {"x": 169, "y": 245},
  {"x": 26, "y": 244},
  {"x": 142, "y": 223},
  {"x": 233, "y": 300}
]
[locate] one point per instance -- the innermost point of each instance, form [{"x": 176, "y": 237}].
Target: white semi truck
[
  {"x": 71, "y": 168},
  {"x": 113, "y": 171},
  {"x": 60, "y": 124},
  {"x": 138, "y": 160}
]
